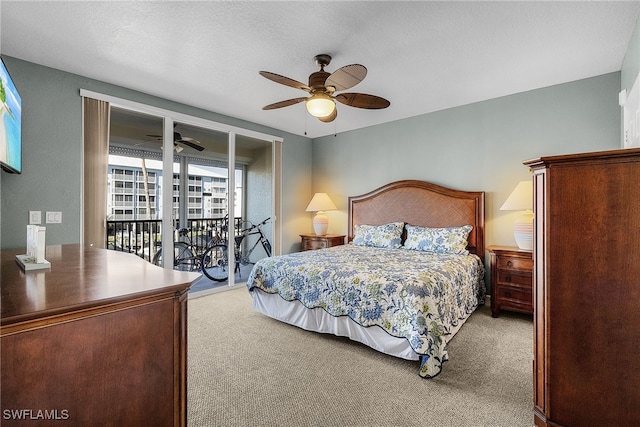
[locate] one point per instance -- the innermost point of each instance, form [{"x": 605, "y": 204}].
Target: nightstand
[
  {"x": 312, "y": 241},
  {"x": 511, "y": 279}
]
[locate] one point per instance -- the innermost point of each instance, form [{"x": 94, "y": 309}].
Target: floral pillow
[
  {"x": 380, "y": 236},
  {"x": 450, "y": 240}
]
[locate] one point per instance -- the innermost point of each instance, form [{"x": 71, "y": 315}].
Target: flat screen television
[{"x": 10, "y": 123}]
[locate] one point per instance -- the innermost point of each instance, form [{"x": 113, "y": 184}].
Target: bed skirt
[{"x": 318, "y": 320}]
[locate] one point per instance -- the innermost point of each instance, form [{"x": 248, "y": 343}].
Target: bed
[{"x": 410, "y": 275}]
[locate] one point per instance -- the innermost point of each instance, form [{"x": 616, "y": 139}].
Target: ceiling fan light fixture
[
  {"x": 320, "y": 105},
  {"x": 322, "y": 87}
]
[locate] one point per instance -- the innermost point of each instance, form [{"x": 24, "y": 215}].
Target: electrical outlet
[
  {"x": 35, "y": 217},
  {"x": 54, "y": 217}
]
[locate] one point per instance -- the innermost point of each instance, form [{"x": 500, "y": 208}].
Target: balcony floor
[{"x": 204, "y": 286}]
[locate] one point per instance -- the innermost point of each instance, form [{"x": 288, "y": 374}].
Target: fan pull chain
[{"x": 305, "y": 123}]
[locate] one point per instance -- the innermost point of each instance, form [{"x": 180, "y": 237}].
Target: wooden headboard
[{"x": 423, "y": 204}]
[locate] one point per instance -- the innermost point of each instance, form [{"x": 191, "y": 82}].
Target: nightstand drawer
[
  {"x": 312, "y": 244},
  {"x": 514, "y": 263},
  {"x": 513, "y": 278},
  {"x": 509, "y": 295}
]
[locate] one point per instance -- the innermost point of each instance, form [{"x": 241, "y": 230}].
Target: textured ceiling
[{"x": 422, "y": 56}]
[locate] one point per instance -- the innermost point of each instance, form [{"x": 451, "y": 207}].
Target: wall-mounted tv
[{"x": 10, "y": 123}]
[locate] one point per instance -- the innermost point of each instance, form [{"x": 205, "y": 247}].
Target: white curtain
[{"x": 96, "y": 161}]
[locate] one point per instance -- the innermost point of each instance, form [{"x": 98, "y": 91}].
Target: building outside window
[{"x": 129, "y": 199}]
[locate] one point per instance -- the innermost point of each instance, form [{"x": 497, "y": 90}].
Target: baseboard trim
[{"x": 215, "y": 290}]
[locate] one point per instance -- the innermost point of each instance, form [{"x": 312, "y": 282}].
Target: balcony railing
[{"x": 144, "y": 237}]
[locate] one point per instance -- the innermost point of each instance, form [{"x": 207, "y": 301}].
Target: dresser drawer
[
  {"x": 515, "y": 263},
  {"x": 514, "y": 278}
]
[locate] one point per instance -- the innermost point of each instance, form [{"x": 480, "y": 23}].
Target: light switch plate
[
  {"x": 54, "y": 217},
  {"x": 35, "y": 217}
]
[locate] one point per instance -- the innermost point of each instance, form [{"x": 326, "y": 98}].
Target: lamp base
[
  {"x": 523, "y": 231},
  {"x": 320, "y": 224}
]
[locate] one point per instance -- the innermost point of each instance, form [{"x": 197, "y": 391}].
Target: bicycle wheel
[
  {"x": 215, "y": 263},
  {"x": 157, "y": 258},
  {"x": 183, "y": 258}
]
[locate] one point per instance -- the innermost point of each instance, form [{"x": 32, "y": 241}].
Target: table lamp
[
  {"x": 318, "y": 204},
  {"x": 521, "y": 199}
]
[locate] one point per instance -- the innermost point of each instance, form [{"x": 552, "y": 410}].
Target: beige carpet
[{"x": 245, "y": 369}]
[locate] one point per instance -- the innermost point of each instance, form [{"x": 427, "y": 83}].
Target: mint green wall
[
  {"x": 631, "y": 63},
  {"x": 52, "y": 147},
  {"x": 477, "y": 147}
]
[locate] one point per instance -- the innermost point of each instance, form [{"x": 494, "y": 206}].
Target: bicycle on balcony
[
  {"x": 189, "y": 249},
  {"x": 215, "y": 262}
]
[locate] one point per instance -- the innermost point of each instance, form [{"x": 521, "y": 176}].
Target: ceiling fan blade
[
  {"x": 283, "y": 103},
  {"x": 190, "y": 142},
  {"x": 284, "y": 80},
  {"x": 141, "y": 143},
  {"x": 346, "y": 77},
  {"x": 176, "y": 136},
  {"x": 186, "y": 138},
  {"x": 363, "y": 100},
  {"x": 331, "y": 117}
]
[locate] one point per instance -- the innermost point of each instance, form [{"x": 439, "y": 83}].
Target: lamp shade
[
  {"x": 320, "y": 105},
  {"x": 320, "y": 203},
  {"x": 521, "y": 199}
]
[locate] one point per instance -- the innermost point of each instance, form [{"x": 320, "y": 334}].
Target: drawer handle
[
  {"x": 507, "y": 294},
  {"x": 509, "y": 263},
  {"x": 507, "y": 278}
]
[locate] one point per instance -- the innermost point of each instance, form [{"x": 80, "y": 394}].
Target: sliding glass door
[
  {"x": 255, "y": 197},
  {"x": 182, "y": 184}
]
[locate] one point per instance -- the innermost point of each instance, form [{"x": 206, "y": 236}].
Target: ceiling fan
[
  {"x": 322, "y": 88},
  {"x": 179, "y": 139}
]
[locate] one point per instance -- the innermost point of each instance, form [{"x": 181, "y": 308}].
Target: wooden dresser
[
  {"x": 587, "y": 289},
  {"x": 100, "y": 338},
  {"x": 511, "y": 279},
  {"x": 311, "y": 241}
]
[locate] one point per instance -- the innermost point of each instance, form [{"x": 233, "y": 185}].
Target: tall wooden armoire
[{"x": 586, "y": 369}]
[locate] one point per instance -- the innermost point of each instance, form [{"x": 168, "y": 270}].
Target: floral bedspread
[{"x": 416, "y": 295}]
